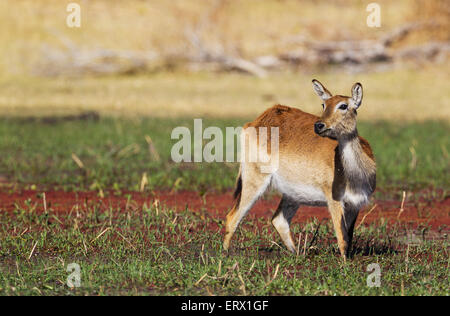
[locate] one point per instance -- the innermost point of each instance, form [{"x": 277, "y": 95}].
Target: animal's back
[
  {"x": 289, "y": 121},
  {"x": 293, "y": 122},
  {"x": 306, "y": 160}
]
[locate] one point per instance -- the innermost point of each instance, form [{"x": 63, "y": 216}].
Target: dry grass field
[
  {"x": 401, "y": 95},
  {"x": 29, "y": 29}
]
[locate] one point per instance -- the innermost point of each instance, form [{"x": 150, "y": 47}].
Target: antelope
[{"x": 322, "y": 162}]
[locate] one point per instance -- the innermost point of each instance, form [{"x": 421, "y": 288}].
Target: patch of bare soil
[{"x": 418, "y": 213}]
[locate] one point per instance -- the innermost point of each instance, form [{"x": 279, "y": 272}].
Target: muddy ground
[{"x": 418, "y": 212}]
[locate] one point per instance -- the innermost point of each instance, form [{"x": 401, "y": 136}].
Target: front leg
[
  {"x": 344, "y": 222},
  {"x": 348, "y": 224}
]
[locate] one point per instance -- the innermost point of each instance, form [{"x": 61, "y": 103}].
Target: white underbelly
[{"x": 298, "y": 190}]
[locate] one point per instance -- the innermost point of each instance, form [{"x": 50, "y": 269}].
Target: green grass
[
  {"x": 149, "y": 250},
  {"x": 115, "y": 155},
  {"x": 146, "y": 249}
]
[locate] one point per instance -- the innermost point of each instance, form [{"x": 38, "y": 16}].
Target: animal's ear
[
  {"x": 321, "y": 91},
  {"x": 357, "y": 94}
]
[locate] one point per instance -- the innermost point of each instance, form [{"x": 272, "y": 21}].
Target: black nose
[{"x": 318, "y": 127}]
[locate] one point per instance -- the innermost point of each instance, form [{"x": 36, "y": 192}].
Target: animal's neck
[{"x": 358, "y": 166}]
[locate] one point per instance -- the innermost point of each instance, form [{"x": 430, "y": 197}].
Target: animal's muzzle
[{"x": 319, "y": 127}]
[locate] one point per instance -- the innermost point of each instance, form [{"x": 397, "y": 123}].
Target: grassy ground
[
  {"x": 114, "y": 153},
  {"x": 150, "y": 250}
]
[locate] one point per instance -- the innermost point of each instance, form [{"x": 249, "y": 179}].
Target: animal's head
[{"x": 339, "y": 112}]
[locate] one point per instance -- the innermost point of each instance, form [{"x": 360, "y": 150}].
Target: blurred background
[
  {"x": 222, "y": 57},
  {"x": 135, "y": 69}
]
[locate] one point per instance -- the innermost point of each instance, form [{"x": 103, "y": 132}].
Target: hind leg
[
  {"x": 282, "y": 220},
  {"x": 254, "y": 184}
]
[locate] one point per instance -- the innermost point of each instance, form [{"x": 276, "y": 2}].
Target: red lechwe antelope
[{"x": 321, "y": 162}]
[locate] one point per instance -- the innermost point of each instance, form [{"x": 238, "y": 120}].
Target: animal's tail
[{"x": 238, "y": 189}]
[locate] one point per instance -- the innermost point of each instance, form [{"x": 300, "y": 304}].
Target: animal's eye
[
  {"x": 323, "y": 106},
  {"x": 343, "y": 106}
]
